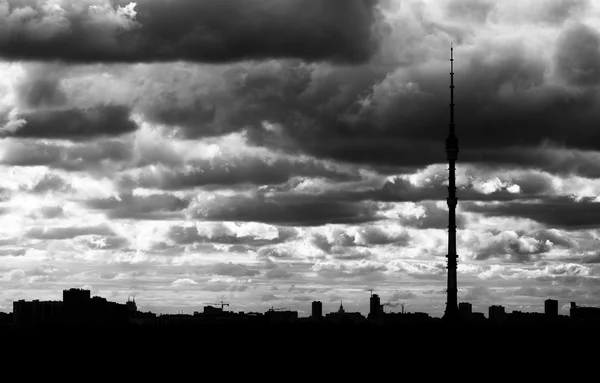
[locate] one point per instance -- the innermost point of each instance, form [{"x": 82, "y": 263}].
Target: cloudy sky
[{"x": 271, "y": 153}]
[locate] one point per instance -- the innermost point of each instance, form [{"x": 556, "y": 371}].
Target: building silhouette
[
  {"x": 375, "y": 307},
  {"x": 583, "y": 315},
  {"x": 451, "y": 313},
  {"x": 477, "y": 317},
  {"x": 343, "y": 317},
  {"x": 76, "y": 309},
  {"x": 465, "y": 310},
  {"x": 213, "y": 311},
  {"x": 131, "y": 306},
  {"x": 80, "y": 309},
  {"x": 38, "y": 313},
  {"x": 279, "y": 316},
  {"x": 317, "y": 310},
  {"x": 551, "y": 308},
  {"x": 376, "y": 314},
  {"x": 497, "y": 315},
  {"x": 6, "y": 319}
]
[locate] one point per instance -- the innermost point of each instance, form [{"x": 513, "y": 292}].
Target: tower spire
[
  {"x": 452, "y": 132},
  {"x": 451, "y": 313}
]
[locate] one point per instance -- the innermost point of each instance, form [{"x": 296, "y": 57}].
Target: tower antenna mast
[{"x": 451, "y": 313}]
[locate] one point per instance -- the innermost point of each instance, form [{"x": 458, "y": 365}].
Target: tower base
[{"x": 451, "y": 315}]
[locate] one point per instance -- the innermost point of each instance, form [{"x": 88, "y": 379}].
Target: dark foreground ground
[{"x": 300, "y": 353}]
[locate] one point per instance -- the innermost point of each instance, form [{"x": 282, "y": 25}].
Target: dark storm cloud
[
  {"x": 41, "y": 88},
  {"x": 402, "y": 190},
  {"x": 68, "y": 232},
  {"x": 398, "y": 119},
  {"x": 195, "y": 30},
  {"x": 150, "y": 207},
  {"x": 595, "y": 258},
  {"x": 386, "y": 118},
  {"x": 292, "y": 210},
  {"x": 532, "y": 185},
  {"x": 183, "y": 110},
  {"x": 559, "y": 212},
  {"x": 76, "y": 124},
  {"x": 490, "y": 121},
  {"x": 247, "y": 96},
  {"x": 240, "y": 170},
  {"x": 551, "y": 159},
  {"x": 578, "y": 55},
  {"x": 77, "y": 157}
]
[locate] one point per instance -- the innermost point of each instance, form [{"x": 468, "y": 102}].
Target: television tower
[{"x": 451, "y": 314}]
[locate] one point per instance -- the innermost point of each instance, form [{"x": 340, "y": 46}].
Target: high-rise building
[
  {"x": 497, "y": 315},
  {"x": 465, "y": 309},
  {"x": 131, "y": 305},
  {"x": 551, "y": 308},
  {"x": 317, "y": 310},
  {"x": 76, "y": 296},
  {"x": 375, "y": 306},
  {"x": 77, "y": 306},
  {"x": 451, "y": 314}
]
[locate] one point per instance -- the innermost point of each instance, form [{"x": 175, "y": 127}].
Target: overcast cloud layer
[{"x": 276, "y": 152}]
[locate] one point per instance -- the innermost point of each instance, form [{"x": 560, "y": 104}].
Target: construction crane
[{"x": 222, "y": 304}]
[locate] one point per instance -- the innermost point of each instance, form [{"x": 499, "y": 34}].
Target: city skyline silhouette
[{"x": 79, "y": 308}]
